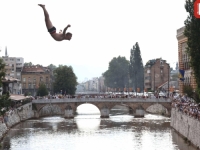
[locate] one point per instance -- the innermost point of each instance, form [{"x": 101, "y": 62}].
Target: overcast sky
[{"x": 102, "y": 29}]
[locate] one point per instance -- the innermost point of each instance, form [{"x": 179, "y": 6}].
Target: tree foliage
[
  {"x": 2, "y": 70},
  {"x": 136, "y": 69},
  {"x": 28, "y": 64},
  {"x": 42, "y": 90},
  {"x": 117, "y": 74},
  {"x": 5, "y": 101},
  {"x": 188, "y": 90},
  {"x": 52, "y": 67},
  {"x": 192, "y": 32},
  {"x": 65, "y": 80}
]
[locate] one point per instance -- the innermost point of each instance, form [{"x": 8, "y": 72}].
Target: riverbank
[
  {"x": 186, "y": 126},
  {"x": 14, "y": 117}
]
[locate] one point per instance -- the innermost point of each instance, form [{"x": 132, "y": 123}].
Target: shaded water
[{"x": 87, "y": 131}]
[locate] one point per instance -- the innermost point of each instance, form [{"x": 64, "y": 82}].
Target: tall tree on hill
[
  {"x": 117, "y": 74},
  {"x": 192, "y": 32},
  {"x": 65, "y": 80},
  {"x": 136, "y": 69}
]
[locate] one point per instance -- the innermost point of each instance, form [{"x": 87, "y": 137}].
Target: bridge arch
[
  {"x": 85, "y": 106},
  {"x": 50, "y": 109}
]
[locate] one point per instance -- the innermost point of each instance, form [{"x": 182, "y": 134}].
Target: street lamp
[
  {"x": 129, "y": 82},
  {"x": 168, "y": 79}
]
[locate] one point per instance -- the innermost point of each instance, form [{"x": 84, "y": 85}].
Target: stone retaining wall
[
  {"x": 187, "y": 126},
  {"x": 13, "y": 117},
  {"x": 157, "y": 109}
]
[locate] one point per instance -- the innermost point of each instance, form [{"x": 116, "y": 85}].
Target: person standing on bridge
[{"x": 52, "y": 30}]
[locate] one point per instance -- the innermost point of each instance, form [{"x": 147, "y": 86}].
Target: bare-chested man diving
[{"x": 52, "y": 30}]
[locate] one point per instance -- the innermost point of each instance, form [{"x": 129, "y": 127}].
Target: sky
[{"x": 102, "y": 30}]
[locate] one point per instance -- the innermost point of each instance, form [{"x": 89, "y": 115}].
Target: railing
[{"x": 71, "y": 100}]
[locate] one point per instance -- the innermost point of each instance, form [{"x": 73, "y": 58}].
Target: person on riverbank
[{"x": 52, "y": 30}]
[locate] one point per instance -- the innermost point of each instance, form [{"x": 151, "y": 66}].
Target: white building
[{"x": 13, "y": 67}]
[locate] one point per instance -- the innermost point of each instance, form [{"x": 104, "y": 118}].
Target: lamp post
[
  {"x": 129, "y": 82},
  {"x": 168, "y": 80},
  {"x": 154, "y": 78},
  {"x": 136, "y": 82}
]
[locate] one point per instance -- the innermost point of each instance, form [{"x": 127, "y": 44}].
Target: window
[
  {"x": 18, "y": 59},
  {"x": 41, "y": 79},
  {"x": 12, "y": 74},
  {"x": 24, "y": 85},
  {"x": 29, "y": 85},
  {"x": 24, "y": 79}
]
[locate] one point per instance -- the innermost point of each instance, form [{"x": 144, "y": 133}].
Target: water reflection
[
  {"x": 119, "y": 132},
  {"x": 88, "y": 122}
]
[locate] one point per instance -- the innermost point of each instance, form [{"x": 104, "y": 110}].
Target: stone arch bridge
[{"x": 67, "y": 107}]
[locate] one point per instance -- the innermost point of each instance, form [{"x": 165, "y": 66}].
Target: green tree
[
  {"x": 188, "y": 90},
  {"x": 117, "y": 74},
  {"x": 42, "y": 90},
  {"x": 52, "y": 67},
  {"x": 5, "y": 101},
  {"x": 192, "y": 32},
  {"x": 28, "y": 64},
  {"x": 136, "y": 69},
  {"x": 65, "y": 80}
]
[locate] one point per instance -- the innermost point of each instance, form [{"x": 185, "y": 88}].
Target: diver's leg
[{"x": 46, "y": 15}]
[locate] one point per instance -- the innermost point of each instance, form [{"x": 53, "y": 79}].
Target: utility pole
[{"x": 154, "y": 78}]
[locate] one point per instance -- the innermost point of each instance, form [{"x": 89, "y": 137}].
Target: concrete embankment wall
[
  {"x": 15, "y": 116},
  {"x": 187, "y": 126}
]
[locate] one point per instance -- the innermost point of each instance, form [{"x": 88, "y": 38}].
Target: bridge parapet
[{"x": 161, "y": 100}]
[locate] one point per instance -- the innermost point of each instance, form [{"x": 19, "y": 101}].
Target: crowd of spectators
[
  {"x": 138, "y": 95},
  {"x": 187, "y": 106}
]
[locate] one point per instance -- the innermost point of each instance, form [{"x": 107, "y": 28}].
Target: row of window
[
  {"x": 33, "y": 86},
  {"x": 186, "y": 65},
  {"x": 11, "y": 59},
  {"x": 34, "y": 79},
  {"x": 185, "y": 58},
  {"x": 187, "y": 80}
]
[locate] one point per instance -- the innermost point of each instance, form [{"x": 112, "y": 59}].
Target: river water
[{"x": 87, "y": 131}]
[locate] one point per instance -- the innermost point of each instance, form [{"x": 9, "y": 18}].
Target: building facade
[
  {"x": 13, "y": 68},
  {"x": 32, "y": 76},
  {"x": 183, "y": 59},
  {"x": 156, "y": 73}
]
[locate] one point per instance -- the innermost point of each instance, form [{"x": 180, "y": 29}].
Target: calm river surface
[{"x": 87, "y": 131}]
